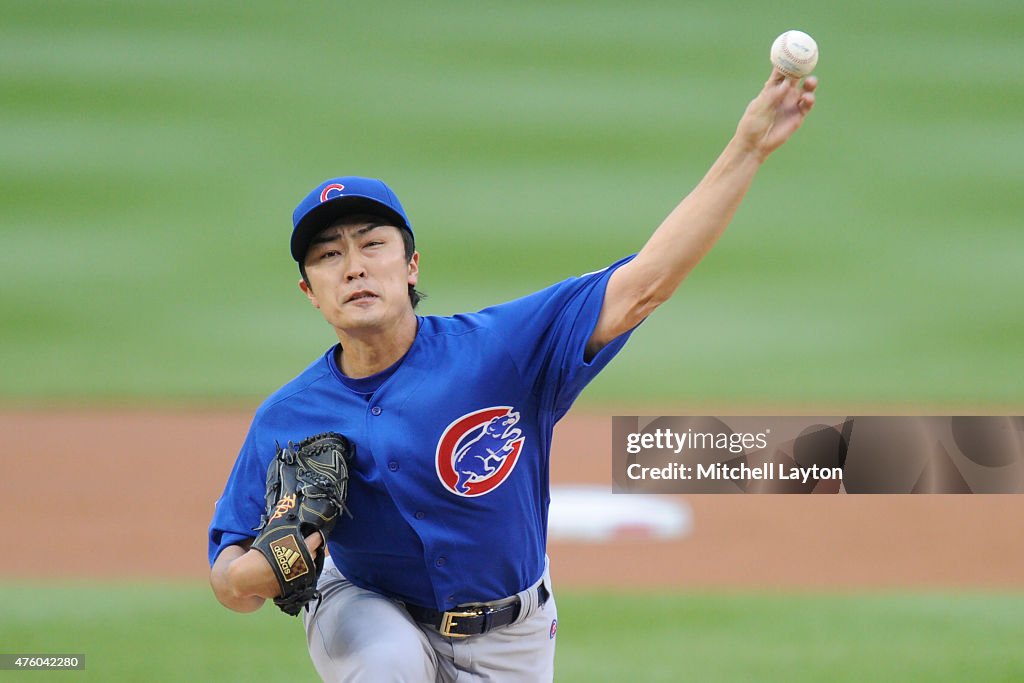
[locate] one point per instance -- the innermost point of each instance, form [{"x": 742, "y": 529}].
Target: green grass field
[
  {"x": 153, "y": 152},
  {"x": 179, "y": 633}
]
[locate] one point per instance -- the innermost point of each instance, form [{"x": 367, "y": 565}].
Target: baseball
[{"x": 795, "y": 53}]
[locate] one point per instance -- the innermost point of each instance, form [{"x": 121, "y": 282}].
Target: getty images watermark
[
  {"x": 734, "y": 442},
  {"x": 818, "y": 454}
]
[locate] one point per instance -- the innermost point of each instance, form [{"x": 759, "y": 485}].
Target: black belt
[{"x": 473, "y": 619}]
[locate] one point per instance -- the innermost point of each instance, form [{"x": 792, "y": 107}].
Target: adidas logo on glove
[{"x": 288, "y": 558}]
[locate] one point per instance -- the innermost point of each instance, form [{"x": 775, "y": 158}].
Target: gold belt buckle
[{"x": 448, "y": 621}]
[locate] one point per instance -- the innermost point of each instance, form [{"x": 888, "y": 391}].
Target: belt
[{"x": 473, "y": 619}]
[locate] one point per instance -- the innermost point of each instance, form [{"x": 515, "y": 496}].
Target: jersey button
[
  {"x": 420, "y": 514},
  {"x": 393, "y": 466},
  {"x": 440, "y": 561},
  {"x": 376, "y": 410}
]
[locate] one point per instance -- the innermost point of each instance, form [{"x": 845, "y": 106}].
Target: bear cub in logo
[{"x": 484, "y": 455}]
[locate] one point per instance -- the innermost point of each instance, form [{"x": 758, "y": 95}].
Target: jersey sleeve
[
  {"x": 240, "y": 507},
  {"x": 546, "y": 334}
]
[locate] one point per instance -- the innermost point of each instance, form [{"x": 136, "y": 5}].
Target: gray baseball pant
[{"x": 357, "y": 635}]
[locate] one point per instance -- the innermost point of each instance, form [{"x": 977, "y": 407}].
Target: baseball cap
[{"x": 337, "y": 197}]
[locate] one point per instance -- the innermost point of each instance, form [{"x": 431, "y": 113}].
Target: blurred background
[{"x": 151, "y": 153}]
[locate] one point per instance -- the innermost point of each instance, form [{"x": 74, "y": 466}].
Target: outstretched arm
[{"x": 693, "y": 227}]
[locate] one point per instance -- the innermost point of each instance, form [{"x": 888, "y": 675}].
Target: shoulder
[
  {"x": 434, "y": 326},
  {"x": 522, "y": 313},
  {"x": 555, "y": 297}
]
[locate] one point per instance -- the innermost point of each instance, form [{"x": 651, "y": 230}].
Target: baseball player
[{"x": 439, "y": 571}]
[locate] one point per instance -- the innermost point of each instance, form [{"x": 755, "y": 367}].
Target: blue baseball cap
[{"x": 339, "y": 197}]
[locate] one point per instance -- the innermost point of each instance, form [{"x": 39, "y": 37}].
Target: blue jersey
[{"x": 449, "y": 485}]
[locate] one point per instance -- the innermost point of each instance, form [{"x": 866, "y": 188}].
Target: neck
[{"x": 364, "y": 352}]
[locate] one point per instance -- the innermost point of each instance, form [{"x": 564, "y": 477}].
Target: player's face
[{"x": 359, "y": 277}]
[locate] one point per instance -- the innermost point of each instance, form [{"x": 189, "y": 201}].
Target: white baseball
[{"x": 795, "y": 53}]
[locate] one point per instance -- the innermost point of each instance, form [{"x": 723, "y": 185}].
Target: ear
[
  {"x": 414, "y": 268},
  {"x": 308, "y": 291}
]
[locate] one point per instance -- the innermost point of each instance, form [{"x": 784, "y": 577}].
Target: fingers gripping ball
[{"x": 307, "y": 484}]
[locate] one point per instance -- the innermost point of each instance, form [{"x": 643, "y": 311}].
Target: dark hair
[{"x": 415, "y": 296}]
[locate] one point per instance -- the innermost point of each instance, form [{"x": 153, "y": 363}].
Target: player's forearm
[
  {"x": 242, "y": 580},
  {"x": 695, "y": 225},
  {"x": 677, "y": 246}
]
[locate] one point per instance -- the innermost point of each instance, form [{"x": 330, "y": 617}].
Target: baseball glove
[{"x": 307, "y": 484}]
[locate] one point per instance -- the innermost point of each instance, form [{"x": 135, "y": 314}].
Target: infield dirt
[{"x": 129, "y": 493}]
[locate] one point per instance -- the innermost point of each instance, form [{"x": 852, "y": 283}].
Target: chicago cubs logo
[
  {"x": 331, "y": 191},
  {"x": 478, "y": 451}
]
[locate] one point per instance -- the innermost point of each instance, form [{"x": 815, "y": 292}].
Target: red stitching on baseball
[{"x": 785, "y": 49}]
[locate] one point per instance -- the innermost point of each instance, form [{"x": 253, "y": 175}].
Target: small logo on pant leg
[{"x": 554, "y": 628}]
